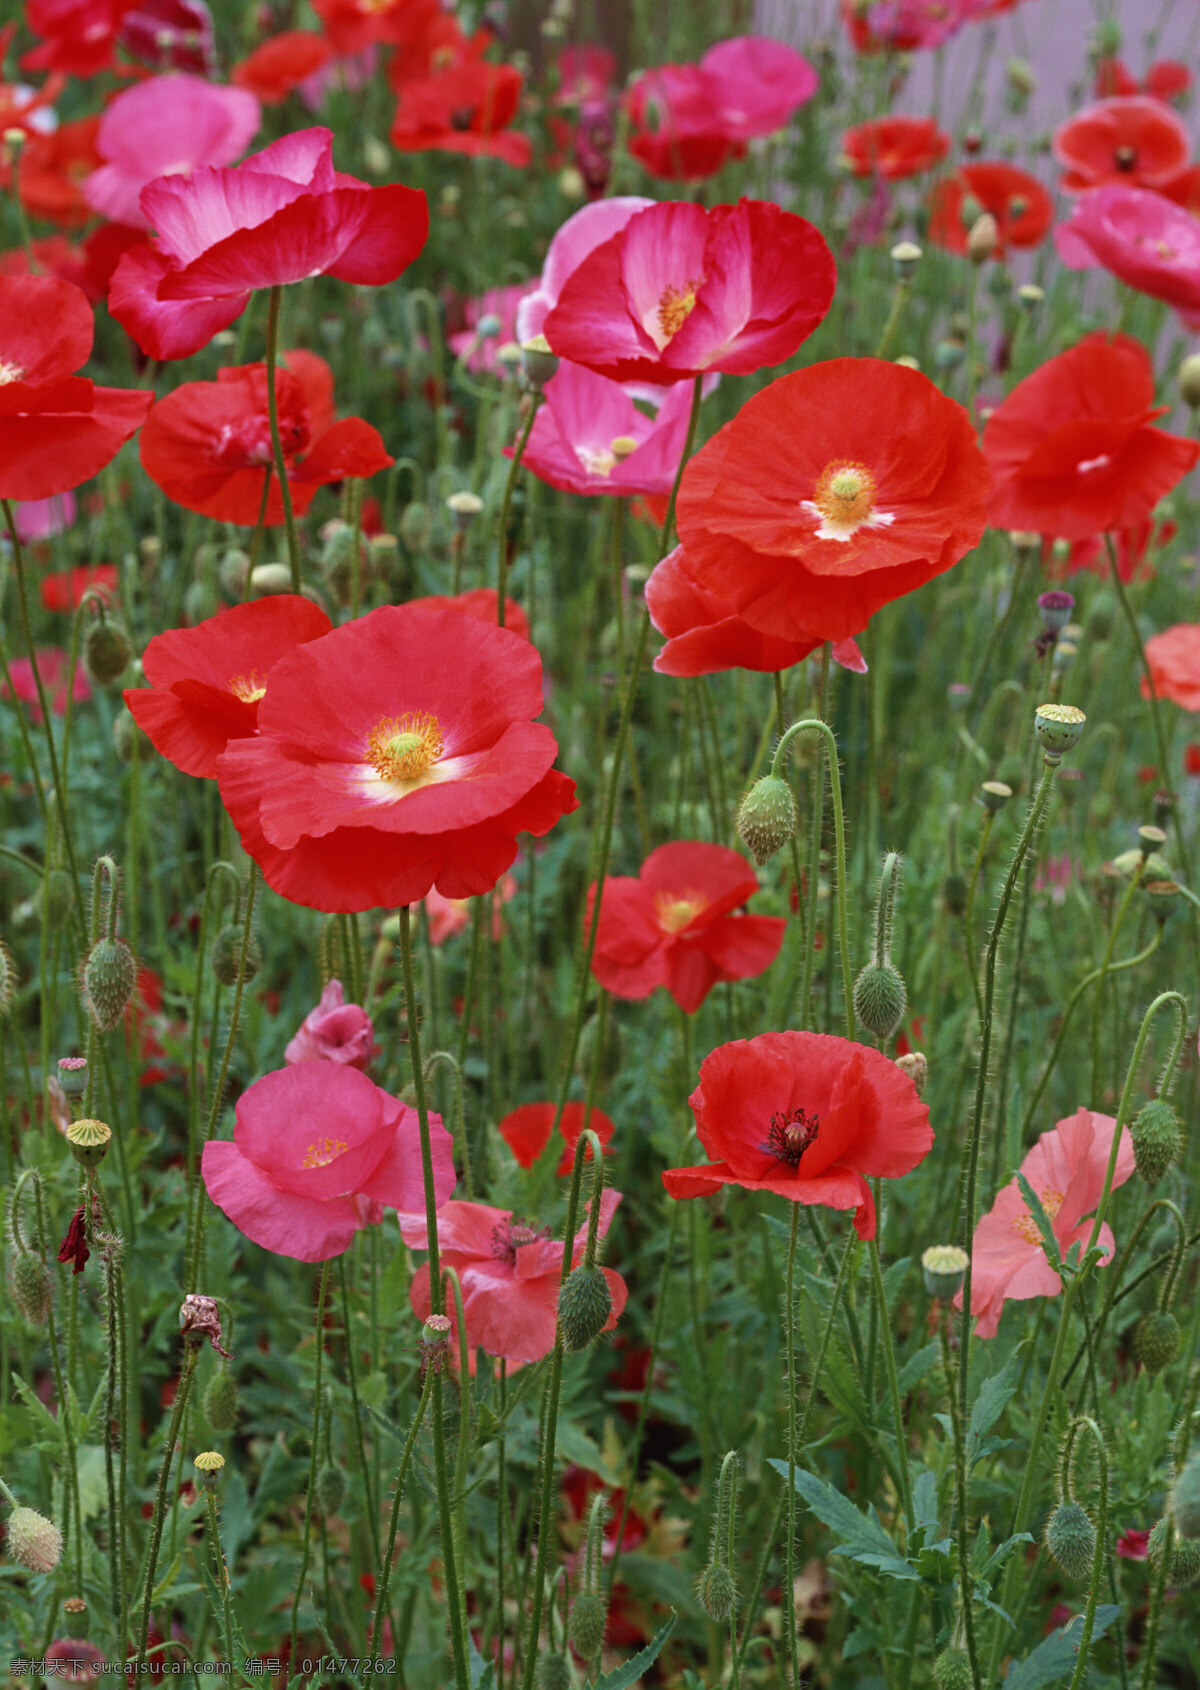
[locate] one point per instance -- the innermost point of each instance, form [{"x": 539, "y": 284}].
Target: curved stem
[
  {"x": 514, "y": 469},
  {"x": 281, "y": 471}
]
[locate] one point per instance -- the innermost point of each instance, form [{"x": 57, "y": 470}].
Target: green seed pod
[
  {"x": 8, "y": 979},
  {"x": 1156, "y": 1139},
  {"x": 76, "y": 1611},
  {"x": 58, "y": 897},
  {"x": 538, "y": 362},
  {"x": 584, "y": 1307},
  {"x": 589, "y": 1617},
  {"x": 29, "y": 1284},
  {"x": 200, "y": 602},
  {"x": 1185, "y": 1499},
  {"x": 952, "y": 1670},
  {"x": 767, "y": 818},
  {"x": 415, "y": 526},
  {"x": 221, "y": 1401},
  {"x": 109, "y": 977},
  {"x": 610, "y": 1054},
  {"x": 1156, "y": 1340},
  {"x": 331, "y": 1489},
  {"x": 1184, "y": 1567},
  {"x": 880, "y": 999},
  {"x": 954, "y": 893},
  {"x": 717, "y": 1591},
  {"x": 552, "y": 1671},
  {"x": 129, "y": 740},
  {"x": 226, "y": 951},
  {"x": 1071, "y": 1540},
  {"x": 106, "y": 652},
  {"x": 1058, "y": 728}
]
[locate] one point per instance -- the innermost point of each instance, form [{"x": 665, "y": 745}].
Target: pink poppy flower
[
  {"x": 680, "y": 291},
  {"x": 283, "y": 215},
  {"x": 52, "y": 667},
  {"x": 166, "y": 126},
  {"x": 1066, "y": 1168},
  {"x": 526, "y": 1131},
  {"x": 41, "y": 519},
  {"x": 335, "y": 1031},
  {"x": 1133, "y": 1545},
  {"x": 1135, "y": 141},
  {"x": 501, "y": 305},
  {"x": 509, "y": 1273},
  {"x": 586, "y": 75},
  {"x": 318, "y": 1152},
  {"x": 1174, "y": 659},
  {"x": 706, "y": 636},
  {"x": 447, "y": 917},
  {"x": 589, "y": 437},
  {"x": 1142, "y": 238},
  {"x": 579, "y": 236},
  {"x": 759, "y": 83}
]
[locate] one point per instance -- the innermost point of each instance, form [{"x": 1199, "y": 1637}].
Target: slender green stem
[
  {"x": 893, "y": 1378},
  {"x": 1101, "y": 1556},
  {"x": 352, "y": 1381},
  {"x": 220, "y": 1571},
  {"x": 962, "y": 1532},
  {"x": 314, "y": 1453},
  {"x": 1135, "y": 880},
  {"x": 789, "y": 1542},
  {"x": 514, "y": 469},
  {"x": 385, "y": 1564},
  {"x": 281, "y": 470},
  {"x": 192, "y": 1347}
]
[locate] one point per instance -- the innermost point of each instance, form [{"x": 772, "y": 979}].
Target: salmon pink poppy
[
  {"x": 1174, "y": 660},
  {"x": 808, "y": 1116},
  {"x": 40, "y": 519},
  {"x": 1143, "y": 238},
  {"x": 467, "y": 108},
  {"x": 208, "y": 443},
  {"x": 335, "y": 1031},
  {"x": 398, "y": 753},
  {"x": 282, "y": 215},
  {"x": 53, "y": 667},
  {"x": 832, "y": 492},
  {"x": 319, "y": 1151},
  {"x": 282, "y": 63},
  {"x": 56, "y": 428},
  {"x": 165, "y": 126},
  {"x": 589, "y": 437},
  {"x": 675, "y": 925},
  {"x": 706, "y": 636},
  {"x": 509, "y": 1272},
  {"x": 1133, "y": 140},
  {"x": 206, "y": 682},
  {"x": 527, "y": 1130},
  {"x": 1021, "y": 206},
  {"x": 1066, "y": 1167},
  {"x": 64, "y": 588},
  {"x": 578, "y": 237},
  {"x": 895, "y": 147},
  {"x": 680, "y": 291},
  {"x": 1071, "y": 449}
]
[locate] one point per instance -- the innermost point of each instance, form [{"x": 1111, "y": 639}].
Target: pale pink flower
[{"x": 1142, "y": 238}]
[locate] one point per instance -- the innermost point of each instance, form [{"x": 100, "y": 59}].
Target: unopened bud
[
  {"x": 221, "y": 1401},
  {"x": 717, "y": 1591},
  {"x": 266, "y": 579},
  {"x": 1020, "y": 77},
  {"x": 1189, "y": 380},
  {"x": 584, "y": 1307},
  {"x": 1185, "y": 1500},
  {"x": 1071, "y": 1540},
  {"x": 983, "y": 238},
  {"x": 943, "y": 1268},
  {"x": 30, "y": 1285},
  {"x": 767, "y": 818},
  {"x": 1156, "y": 1340},
  {"x": 109, "y": 978},
  {"x": 33, "y": 1540},
  {"x": 952, "y": 1670},
  {"x": 416, "y": 525},
  {"x": 1184, "y": 1566},
  {"x": 106, "y": 652},
  {"x": 954, "y": 893},
  {"x": 589, "y": 1617},
  {"x": 330, "y": 1489},
  {"x": 1157, "y": 1139},
  {"x": 552, "y": 1671},
  {"x": 880, "y": 999},
  {"x": 226, "y": 955}
]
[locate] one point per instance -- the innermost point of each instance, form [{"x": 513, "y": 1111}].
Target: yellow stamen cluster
[
  {"x": 403, "y": 748},
  {"x": 1052, "y": 1202},
  {"x": 249, "y": 688},
  {"x": 674, "y": 914},
  {"x": 320, "y": 1155},
  {"x": 676, "y": 306},
  {"x": 845, "y": 493}
]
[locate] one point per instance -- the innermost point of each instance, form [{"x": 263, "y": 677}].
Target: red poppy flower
[
  {"x": 64, "y": 589},
  {"x": 56, "y": 428},
  {"x": 895, "y": 147},
  {"x": 832, "y": 492},
  {"x": 1133, "y": 1545},
  {"x": 679, "y": 291},
  {"x": 466, "y": 108},
  {"x": 206, "y": 682},
  {"x": 482, "y": 603},
  {"x": 282, "y": 215},
  {"x": 1021, "y": 206},
  {"x": 1191, "y": 759},
  {"x": 509, "y": 1273},
  {"x": 397, "y": 753},
  {"x": 1135, "y": 140},
  {"x": 1165, "y": 80},
  {"x": 1071, "y": 449},
  {"x": 53, "y": 170},
  {"x": 79, "y": 34},
  {"x": 1133, "y": 547},
  {"x": 673, "y": 925},
  {"x": 706, "y": 636},
  {"x": 170, "y": 35},
  {"x": 808, "y": 1116},
  {"x": 208, "y": 444},
  {"x": 352, "y": 25},
  {"x": 526, "y": 1131},
  {"x": 1174, "y": 659},
  {"x": 52, "y": 666},
  {"x": 74, "y": 1247},
  {"x": 53, "y": 255},
  {"x": 282, "y": 63}
]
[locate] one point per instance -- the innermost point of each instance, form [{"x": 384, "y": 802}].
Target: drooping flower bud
[
  {"x": 1156, "y": 1340},
  {"x": 1157, "y": 1139},
  {"x": 109, "y": 977},
  {"x": 584, "y": 1307},
  {"x": 226, "y": 955},
  {"x": 767, "y": 818},
  {"x": 1185, "y": 1499},
  {"x": 552, "y": 1671},
  {"x": 588, "y": 1620},
  {"x": 954, "y": 893},
  {"x": 944, "y": 1267},
  {"x": 880, "y": 999},
  {"x": 416, "y": 526},
  {"x": 30, "y": 1286},
  {"x": 717, "y": 1591},
  {"x": 106, "y": 652},
  {"x": 1071, "y": 1540},
  {"x": 1184, "y": 1566},
  {"x": 221, "y": 1401},
  {"x": 208, "y": 1465},
  {"x": 33, "y": 1540}
]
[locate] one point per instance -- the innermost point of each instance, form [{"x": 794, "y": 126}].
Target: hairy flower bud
[
  {"x": 331, "y": 1489},
  {"x": 1184, "y": 1566},
  {"x": 552, "y": 1671},
  {"x": 106, "y": 652},
  {"x": 584, "y": 1307},
  {"x": 1185, "y": 1499},
  {"x": 1071, "y": 1540},
  {"x": 30, "y": 1286},
  {"x": 952, "y": 1670},
  {"x": 954, "y": 893},
  {"x": 589, "y": 1617},
  {"x": 767, "y": 818},
  {"x": 109, "y": 977},
  {"x": 717, "y": 1591},
  {"x": 415, "y": 526},
  {"x": 1156, "y": 1340},
  {"x": 221, "y": 1401},
  {"x": 880, "y": 999},
  {"x": 226, "y": 954},
  {"x": 1157, "y": 1139},
  {"x": 33, "y": 1540}
]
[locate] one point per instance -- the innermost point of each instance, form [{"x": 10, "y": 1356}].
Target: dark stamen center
[{"x": 791, "y": 1134}]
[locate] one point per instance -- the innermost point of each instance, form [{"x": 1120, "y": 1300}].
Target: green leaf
[
  {"x": 1042, "y": 1220},
  {"x": 574, "y": 1445},
  {"x": 41, "y": 1413},
  {"x": 861, "y": 1536},
  {"x": 1055, "y": 1656},
  {"x": 916, "y": 1367},
  {"x": 483, "y": 1673},
  {"x": 994, "y": 1396},
  {"x": 622, "y": 1677}
]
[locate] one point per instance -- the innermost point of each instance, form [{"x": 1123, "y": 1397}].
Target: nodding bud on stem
[
  {"x": 330, "y": 1488},
  {"x": 716, "y": 1587},
  {"x": 1183, "y": 1568},
  {"x": 221, "y": 1401},
  {"x": 108, "y": 978},
  {"x": 589, "y": 1611},
  {"x": 552, "y": 1671},
  {"x": 983, "y": 238},
  {"x": 1157, "y": 1139},
  {"x": 1071, "y": 1540},
  {"x": 952, "y": 1670},
  {"x": 767, "y": 818},
  {"x": 33, "y": 1540},
  {"x": 30, "y": 1286},
  {"x": 1156, "y": 1340},
  {"x": 106, "y": 652},
  {"x": 584, "y": 1307},
  {"x": 1185, "y": 1500},
  {"x": 880, "y": 997},
  {"x": 227, "y": 952}
]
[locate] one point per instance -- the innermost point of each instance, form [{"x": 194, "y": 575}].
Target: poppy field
[{"x": 600, "y": 844}]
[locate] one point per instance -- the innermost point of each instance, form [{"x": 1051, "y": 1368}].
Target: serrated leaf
[
  {"x": 861, "y": 1537},
  {"x": 574, "y": 1445},
  {"x": 925, "y": 1500},
  {"x": 1055, "y": 1656},
  {"x": 1003, "y": 1552},
  {"x": 482, "y": 1673},
  {"x": 917, "y": 1366},
  {"x": 1042, "y": 1221},
  {"x": 41, "y": 1413},
  {"x": 994, "y": 1396},
  {"x": 622, "y": 1677}
]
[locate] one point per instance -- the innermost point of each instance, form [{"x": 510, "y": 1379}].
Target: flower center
[
  {"x": 676, "y": 306},
  {"x": 845, "y": 494},
  {"x": 405, "y": 748},
  {"x": 249, "y": 688},
  {"x": 10, "y": 372},
  {"x": 510, "y": 1235},
  {"x": 1052, "y": 1202},
  {"x": 791, "y": 1134},
  {"x": 674, "y": 914},
  {"x": 1125, "y": 158},
  {"x": 320, "y": 1155},
  {"x": 597, "y": 460},
  {"x": 1087, "y": 465}
]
